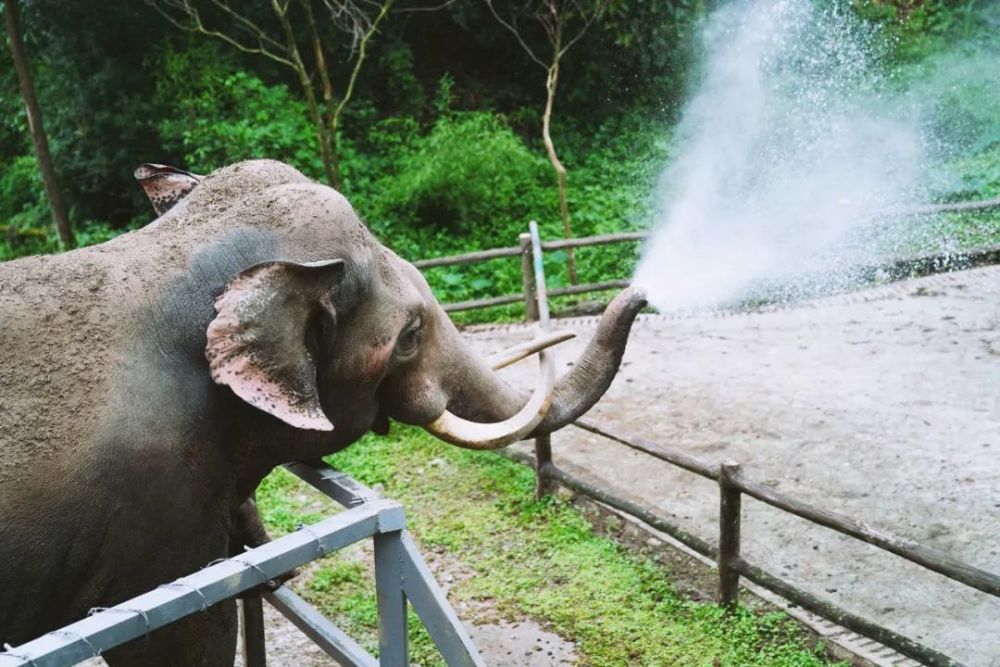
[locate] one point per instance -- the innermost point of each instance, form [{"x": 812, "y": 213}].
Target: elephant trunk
[
  {"x": 481, "y": 395},
  {"x": 578, "y": 390}
]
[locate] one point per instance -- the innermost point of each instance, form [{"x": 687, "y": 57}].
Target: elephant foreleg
[{"x": 247, "y": 531}]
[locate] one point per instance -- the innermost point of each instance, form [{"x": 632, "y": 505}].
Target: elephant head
[{"x": 334, "y": 334}]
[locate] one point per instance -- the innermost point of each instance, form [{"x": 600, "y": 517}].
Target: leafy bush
[
  {"x": 471, "y": 176},
  {"x": 24, "y": 211},
  {"x": 217, "y": 114},
  {"x": 22, "y": 196}
]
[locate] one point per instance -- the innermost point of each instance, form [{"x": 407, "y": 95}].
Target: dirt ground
[{"x": 883, "y": 405}]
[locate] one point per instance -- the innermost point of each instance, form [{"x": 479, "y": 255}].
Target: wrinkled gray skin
[{"x": 123, "y": 465}]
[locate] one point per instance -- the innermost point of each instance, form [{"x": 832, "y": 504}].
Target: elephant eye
[{"x": 410, "y": 339}]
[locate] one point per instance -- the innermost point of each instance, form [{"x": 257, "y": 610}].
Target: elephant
[{"x": 150, "y": 383}]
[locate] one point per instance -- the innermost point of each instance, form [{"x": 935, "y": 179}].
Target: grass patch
[{"x": 528, "y": 559}]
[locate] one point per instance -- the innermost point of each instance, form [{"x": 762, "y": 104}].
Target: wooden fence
[
  {"x": 893, "y": 270},
  {"x": 733, "y": 485},
  {"x": 524, "y": 250},
  {"x": 726, "y": 551}
]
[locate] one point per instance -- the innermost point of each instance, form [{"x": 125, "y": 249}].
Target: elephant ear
[
  {"x": 165, "y": 186},
  {"x": 257, "y": 341}
]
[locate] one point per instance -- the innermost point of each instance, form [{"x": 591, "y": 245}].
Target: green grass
[{"x": 539, "y": 560}]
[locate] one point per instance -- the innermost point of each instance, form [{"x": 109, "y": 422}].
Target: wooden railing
[
  {"x": 733, "y": 485},
  {"x": 526, "y": 253},
  {"x": 908, "y": 266},
  {"x": 731, "y": 565}
]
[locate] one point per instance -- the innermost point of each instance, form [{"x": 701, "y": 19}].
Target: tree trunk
[
  {"x": 335, "y": 113},
  {"x": 550, "y": 88},
  {"x": 327, "y": 151},
  {"x": 332, "y": 156},
  {"x": 59, "y": 217}
]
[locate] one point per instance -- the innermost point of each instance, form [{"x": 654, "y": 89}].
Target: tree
[
  {"x": 12, "y": 20},
  {"x": 563, "y": 22},
  {"x": 358, "y": 20}
]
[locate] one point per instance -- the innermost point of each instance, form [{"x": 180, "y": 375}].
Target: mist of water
[{"x": 786, "y": 154}]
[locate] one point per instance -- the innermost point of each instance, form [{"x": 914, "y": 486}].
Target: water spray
[{"x": 786, "y": 152}]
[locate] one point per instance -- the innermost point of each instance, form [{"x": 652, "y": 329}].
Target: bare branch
[
  {"x": 318, "y": 56},
  {"x": 359, "y": 61},
  {"x": 248, "y": 25},
  {"x": 432, "y": 8},
  {"x": 196, "y": 25},
  {"x": 512, "y": 27},
  {"x": 350, "y": 17},
  {"x": 598, "y": 9}
]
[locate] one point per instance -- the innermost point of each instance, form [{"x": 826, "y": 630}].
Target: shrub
[
  {"x": 216, "y": 114},
  {"x": 24, "y": 211},
  {"x": 469, "y": 176}
]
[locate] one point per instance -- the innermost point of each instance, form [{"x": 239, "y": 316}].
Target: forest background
[{"x": 429, "y": 117}]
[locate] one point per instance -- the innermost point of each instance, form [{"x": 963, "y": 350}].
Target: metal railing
[
  {"x": 401, "y": 576},
  {"x": 726, "y": 552}
]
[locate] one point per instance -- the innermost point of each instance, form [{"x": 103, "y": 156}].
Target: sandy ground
[{"x": 883, "y": 405}]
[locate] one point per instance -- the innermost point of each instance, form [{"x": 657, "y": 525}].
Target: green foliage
[
  {"x": 918, "y": 28},
  {"x": 24, "y": 211},
  {"x": 468, "y": 175},
  {"x": 442, "y": 98},
  {"x": 215, "y": 113},
  {"x": 401, "y": 84},
  {"x": 97, "y": 102},
  {"x": 539, "y": 560},
  {"x": 22, "y": 196},
  {"x": 282, "y": 504}
]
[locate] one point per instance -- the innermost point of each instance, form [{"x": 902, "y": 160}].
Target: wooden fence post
[
  {"x": 528, "y": 278},
  {"x": 544, "y": 484},
  {"x": 729, "y": 534}
]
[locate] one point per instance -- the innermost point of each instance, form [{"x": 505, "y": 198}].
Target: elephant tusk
[
  {"x": 474, "y": 435},
  {"x": 514, "y": 354}
]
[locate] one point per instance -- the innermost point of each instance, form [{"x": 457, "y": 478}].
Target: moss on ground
[{"x": 539, "y": 560}]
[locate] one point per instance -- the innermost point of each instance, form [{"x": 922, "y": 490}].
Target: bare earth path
[{"x": 883, "y": 405}]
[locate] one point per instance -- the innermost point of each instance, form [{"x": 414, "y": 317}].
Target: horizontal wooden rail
[
  {"x": 600, "y": 239},
  {"x": 508, "y": 299},
  {"x": 610, "y": 499},
  {"x": 911, "y": 550},
  {"x": 738, "y": 483},
  {"x": 497, "y": 253},
  {"x": 908, "y": 647},
  {"x": 467, "y": 258},
  {"x": 893, "y": 270},
  {"x": 590, "y": 287},
  {"x": 674, "y": 456},
  {"x": 790, "y": 592},
  {"x": 482, "y": 303}
]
